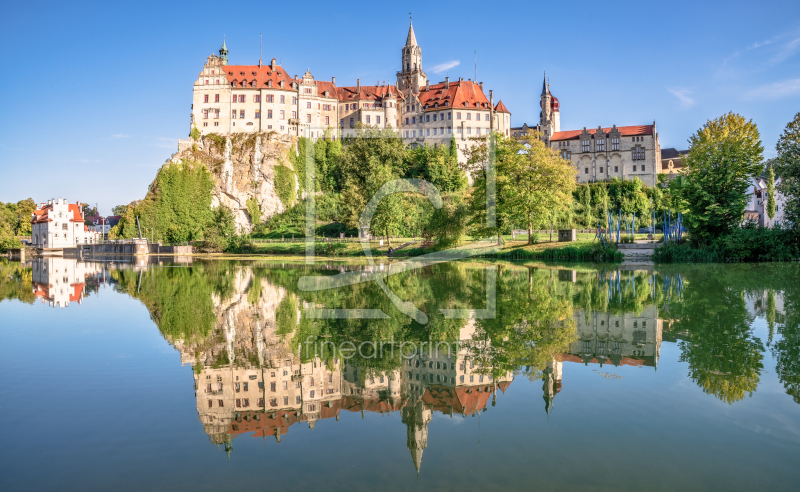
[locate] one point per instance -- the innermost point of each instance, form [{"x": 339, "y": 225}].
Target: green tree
[
  {"x": 788, "y": 168},
  {"x": 253, "y": 210},
  {"x": 770, "y": 191},
  {"x": 724, "y": 155},
  {"x": 119, "y": 210},
  {"x": 533, "y": 180}
]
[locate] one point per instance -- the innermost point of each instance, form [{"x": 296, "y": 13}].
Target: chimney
[
  {"x": 491, "y": 98},
  {"x": 272, "y": 65},
  {"x": 428, "y": 85},
  {"x": 358, "y": 86},
  {"x": 447, "y": 82},
  {"x": 459, "y": 81},
  {"x": 333, "y": 79},
  {"x": 481, "y": 86}
]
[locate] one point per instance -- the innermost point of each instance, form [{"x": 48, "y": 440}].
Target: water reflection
[{"x": 261, "y": 364}]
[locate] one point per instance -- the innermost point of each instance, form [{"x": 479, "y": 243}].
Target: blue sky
[{"x": 96, "y": 94}]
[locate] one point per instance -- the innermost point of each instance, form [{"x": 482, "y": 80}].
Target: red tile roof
[
  {"x": 261, "y": 75},
  {"x": 42, "y": 214},
  {"x": 501, "y": 108},
  {"x": 626, "y": 131},
  {"x": 468, "y": 95},
  {"x": 625, "y": 361},
  {"x": 368, "y": 92}
]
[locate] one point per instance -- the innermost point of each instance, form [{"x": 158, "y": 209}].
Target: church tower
[
  {"x": 416, "y": 417},
  {"x": 549, "y": 117},
  {"x": 411, "y": 77}
]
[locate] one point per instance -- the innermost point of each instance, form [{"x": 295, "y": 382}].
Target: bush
[
  {"x": 9, "y": 242},
  {"x": 748, "y": 243}
]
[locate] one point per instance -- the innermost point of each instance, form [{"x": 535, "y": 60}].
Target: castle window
[
  {"x": 434, "y": 117},
  {"x": 269, "y": 83},
  {"x": 294, "y": 115},
  {"x": 270, "y": 98},
  {"x": 283, "y": 99},
  {"x": 341, "y": 122},
  {"x": 253, "y": 83},
  {"x": 469, "y": 116},
  {"x": 638, "y": 153},
  {"x": 257, "y": 98},
  {"x": 368, "y": 119},
  {"x": 233, "y": 114},
  {"x": 586, "y": 171},
  {"x": 615, "y": 143},
  {"x": 308, "y": 105},
  {"x": 241, "y": 98},
  {"x": 458, "y": 115},
  {"x": 601, "y": 144},
  {"x": 427, "y": 117},
  {"x": 413, "y": 119},
  {"x": 283, "y": 115},
  {"x": 294, "y": 100},
  {"x": 616, "y": 169},
  {"x": 205, "y": 114},
  {"x": 378, "y": 120},
  {"x": 351, "y": 122},
  {"x": 327, "y": 121},
  {"x": 585, "y": 146},
  {"x": 634, "y": 168},
  {"x": 241, "y": 114},
  {"x": 234, "y": 84},
  {"x": 234, "y": 98},
  {"x": 601, "y": 169},
  {"x": 205, "y": 98},
  {"x": 642, "y": 167},
  {"x": 258, "y": 114}
]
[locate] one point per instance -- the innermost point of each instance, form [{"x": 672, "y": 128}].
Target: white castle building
[
  {"x": 266, "y": 98},
  {"x": 58, "y": 224}
]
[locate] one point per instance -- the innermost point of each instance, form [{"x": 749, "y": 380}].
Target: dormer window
[
  {"x": 241, "y": 73},
  {"x": 234, "y": 84},
  {"x": 269, "y": 83}
]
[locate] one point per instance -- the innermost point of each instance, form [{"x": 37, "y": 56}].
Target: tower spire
[
  {"x": 411, "y": 40},
  {"x": 545, "y": 89},
  {"x": 223, "y": 52}
]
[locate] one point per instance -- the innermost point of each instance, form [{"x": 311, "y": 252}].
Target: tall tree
[
  {"x": 788, "y": 168},
  {"x": 770, "y": 191},
  {"x": 724, "y": 155}
]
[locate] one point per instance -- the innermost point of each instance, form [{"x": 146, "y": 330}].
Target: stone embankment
[{"x": 638, "y": 252}]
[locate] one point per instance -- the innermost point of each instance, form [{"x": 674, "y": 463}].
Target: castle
[{"x": 265, "y": 98}]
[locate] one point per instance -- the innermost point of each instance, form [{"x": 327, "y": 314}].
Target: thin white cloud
[
  {"x": 786, "y": 50},
  {"x": 120, "y": 135},
  {"x": 683, "y": 95},
  {"x": 776, "y": 90},
  {"x": 442, "y": 67}
]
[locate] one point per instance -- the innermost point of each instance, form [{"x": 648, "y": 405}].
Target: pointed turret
[
  {"x": 411, "y": 40},
  {"x": 223, "y": 52},
  {"x": 545, "y": 89}
]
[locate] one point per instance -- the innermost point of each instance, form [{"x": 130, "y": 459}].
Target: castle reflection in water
[{"x": 248, "y": 380}]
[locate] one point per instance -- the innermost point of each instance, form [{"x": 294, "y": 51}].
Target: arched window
[{"x": 408, "y": 66}]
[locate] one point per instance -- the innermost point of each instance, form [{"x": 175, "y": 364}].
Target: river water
[{"x": 222, "y": 375}]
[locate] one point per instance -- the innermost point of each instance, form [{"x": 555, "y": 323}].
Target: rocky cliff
[{"x": 243, "y": 166}]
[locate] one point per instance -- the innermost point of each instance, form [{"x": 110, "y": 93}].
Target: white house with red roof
[
  {"x": 58, "y": 224},
  {"x": 265, "y": 98}
]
